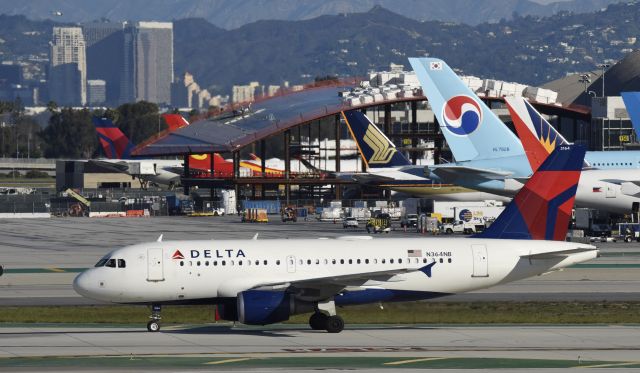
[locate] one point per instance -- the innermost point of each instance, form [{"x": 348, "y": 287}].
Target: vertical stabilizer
[
  {"x": 375, "y": 148},
  {"x": 538, "y": 136},
  {"x": 542, "y": 208},
  {"x": 632, "y": 102},
  {"x": 174, "y": 121},
  {"x": 471, "y": 129},
  {"x": 114, "y": 143}
]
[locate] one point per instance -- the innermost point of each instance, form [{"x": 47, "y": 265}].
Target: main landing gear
[
  {"x": 325, "y": 318},
  {"x": 154, "y": 324}
]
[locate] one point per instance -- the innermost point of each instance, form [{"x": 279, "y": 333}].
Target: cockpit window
[
  {"x": 102, "y": 261},
  {"x": 111, "y": 263},
  {"x": 121, "y": 263}
]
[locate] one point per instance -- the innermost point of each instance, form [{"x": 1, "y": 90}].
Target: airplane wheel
[
  {"x": 153, "y": 326},
  {"x": 334, "y": 324},
  {"x": 317, "y": 321}
]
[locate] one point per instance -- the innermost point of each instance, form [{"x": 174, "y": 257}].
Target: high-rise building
[
  {"x": 105, "y": 55},
  {"x": 96, "y": 92},
  {"x": 148, "y": 62},
  {"x": 68, "y": 67}
]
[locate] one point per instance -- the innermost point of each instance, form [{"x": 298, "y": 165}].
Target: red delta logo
[{"x": 177, "y": 255}]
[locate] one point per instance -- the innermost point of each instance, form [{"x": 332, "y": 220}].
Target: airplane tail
[
  {"x": 375, "y": 148},
  {"x": 254, "y": 157},
  {"x": 174, "y": 121},
  {"x": 632, "y": 103},
  {"x": 114, "y": 143},
  {"x": 538, "y": 137},
  {"x": 471, "y": 129},
  {"x": 542, "y": 208}
]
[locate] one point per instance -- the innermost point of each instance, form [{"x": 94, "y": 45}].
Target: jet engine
[{"x": 261, "y": 307}]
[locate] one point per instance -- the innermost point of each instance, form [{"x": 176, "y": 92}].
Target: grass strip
[{"x": 393, "y": 313}]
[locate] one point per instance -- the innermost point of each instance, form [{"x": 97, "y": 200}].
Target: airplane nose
[{"x": 81, "y": 284}]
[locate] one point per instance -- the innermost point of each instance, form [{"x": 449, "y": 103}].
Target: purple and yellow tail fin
[
  {"x": 542, "y": 208},
  {"x": 114, "y": 143}
]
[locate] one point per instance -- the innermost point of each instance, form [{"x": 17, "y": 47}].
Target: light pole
[
  {"x": 603, "y": 66},
  {"x": 584, "y": 78}
]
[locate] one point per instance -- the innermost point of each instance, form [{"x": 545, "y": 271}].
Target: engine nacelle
[{"x": 261, "y": 307}]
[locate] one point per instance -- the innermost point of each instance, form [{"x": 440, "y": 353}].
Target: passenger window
[
  {"x": 441, "y": 260},
  {"x": 224, "y": 263},
  {"x": 391, "y": 261},
  {"x": 366, "y": 261},
  {"x": 198, "y": 263},
  {"x": 449, "y": 260},
  {"x": 215, "y": 263},
  {"x": 350, "y": 261},
  {"x": 206, "y": 263},
  {"x": 121, "y": 263},
  {"x": 111, "y": 263},
  {"x": 358, "y": 261},
  {"x": 277, "y": 262},
  {"x": 182, "y": 263},
  {"x": 333, "y": 261},
  {"x": 264, "y": 262},
  {"x": 400, "y": 261},
  {"x": 383, "y": 261},
  {"x": 257, "y": 262},
  {"x": 341, "y": 261},
  {"x": 239, "y": 262}
]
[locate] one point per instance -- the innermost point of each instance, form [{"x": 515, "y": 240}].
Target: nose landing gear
[{"x": 154, "y": 324}]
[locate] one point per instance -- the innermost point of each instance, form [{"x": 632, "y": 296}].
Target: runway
[
  {"x": 272, "y": 346},
  {"x": 42, "y": 256}
]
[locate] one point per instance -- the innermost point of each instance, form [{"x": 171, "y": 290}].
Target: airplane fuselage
[{"x": 207, "y": 271}]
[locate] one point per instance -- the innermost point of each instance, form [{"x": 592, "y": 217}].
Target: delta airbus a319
[{"x": 262, "y": 282}]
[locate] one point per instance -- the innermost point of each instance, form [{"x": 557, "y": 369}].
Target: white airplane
[
  {"x": 475, "y": 134},
  {"x": 263, "y": 282}
]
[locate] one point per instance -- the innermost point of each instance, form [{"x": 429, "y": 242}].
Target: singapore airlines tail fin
[
  {"x": 471, "y": 129},
  {"x": 174, "y": 121},
  {"x": 632, "y": 102},
  {"x": 538, "y": 137},
  {"x": 542, "y": 208},
  {"x": 376, "y": 148},
  {"x": 114, "y": 143}
]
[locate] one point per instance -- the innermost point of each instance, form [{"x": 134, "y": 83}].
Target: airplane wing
[
  {"x": 338, "y": 283},
  {"x": 363, "y": 177},
  {"x": 558, "y": 254},
  {"x": 117, "y": 166},
  {"x": 452, "y": 173}
]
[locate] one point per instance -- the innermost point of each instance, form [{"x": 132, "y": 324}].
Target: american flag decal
[{"x": 414, "y": 253}]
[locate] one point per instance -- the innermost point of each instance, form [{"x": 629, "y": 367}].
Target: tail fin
[
  {"x": 542, "y": 208},
  {"x": 538, "y": 137},
  {"x": 632, "y": 102},
  {"x": 114, "y": 143},
  {"x": 174, "y": 121},
  {"x": 375, "y": 148},
  {"x": 254, "y": 157},
  {"x": 471, "y": 129}
]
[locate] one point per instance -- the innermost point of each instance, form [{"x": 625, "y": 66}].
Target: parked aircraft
[
  {"x": 263, "y": 282},
  {"x": 388, "y": 168},
  {"x": 473, "y": 132},
  {"x": 632, "y": 103}
]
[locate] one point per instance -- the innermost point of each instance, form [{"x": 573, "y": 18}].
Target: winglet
[
  {"x": 542, "y": 208},
  {"x": 160, "y": 238},
  {"x": 255, "y": 237}
]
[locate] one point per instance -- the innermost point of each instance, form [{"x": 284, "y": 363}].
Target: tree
[
  {"x": 139, "y": 121},
  {"x": 70, "y": 134}
]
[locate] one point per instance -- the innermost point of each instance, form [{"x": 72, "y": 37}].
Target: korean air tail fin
[
  {"x": 538, "y": 137},
  {"x": 471, "y": 129},
  {"x": 114, "y": 143},
  {"x": 542, "y": 208},
  {"x": 632, "y": 102},
  {"x": 174, "y": 121},
  {"x": 375, "y": 148}
]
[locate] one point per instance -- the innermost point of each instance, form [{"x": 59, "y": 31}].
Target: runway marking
[
  {"x": 415, "y": 360},
  {"x": 610, "y": 365},
  {"x": 56, "y": 270},
  {"x": 229, "y": 361}
]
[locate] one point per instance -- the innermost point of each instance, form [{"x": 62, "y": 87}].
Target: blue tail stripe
[
  {"x": 553, "y": 208},
  {"x": 632, "y": 103}
]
